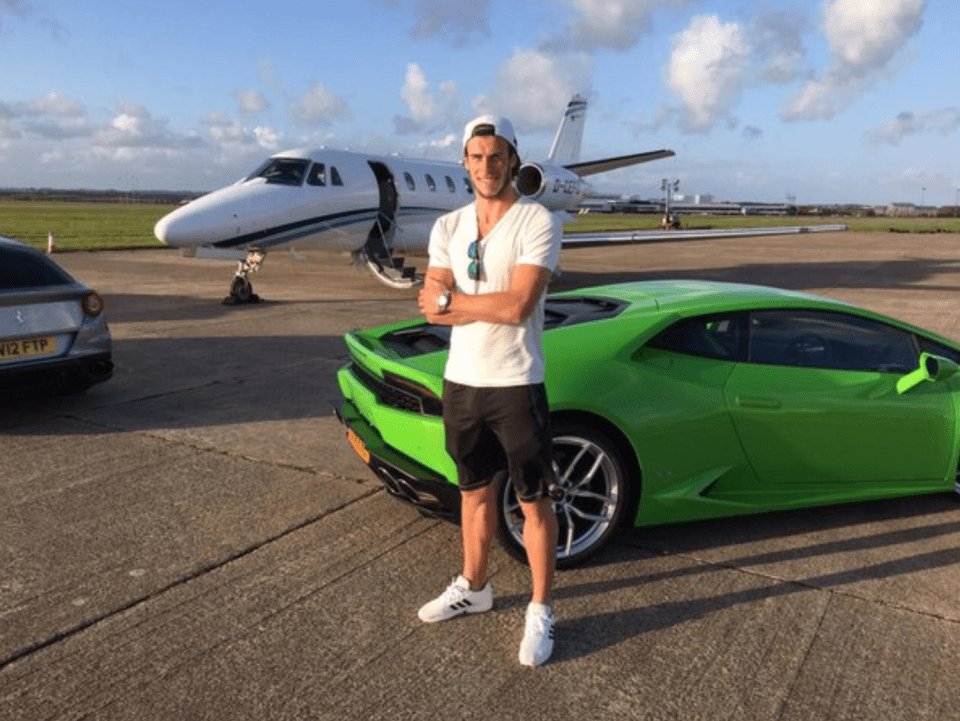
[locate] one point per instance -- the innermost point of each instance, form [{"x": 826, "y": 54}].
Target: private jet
[{"x": 378, "y": 208}]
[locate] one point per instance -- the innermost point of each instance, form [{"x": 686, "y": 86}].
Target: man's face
[{"x": 489, "y": 163}]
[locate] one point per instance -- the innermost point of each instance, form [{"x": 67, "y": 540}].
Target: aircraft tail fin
[{"x": 566, "y": 145}]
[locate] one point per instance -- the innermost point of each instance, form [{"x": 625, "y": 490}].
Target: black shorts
[{"x": 493, "y": 431}]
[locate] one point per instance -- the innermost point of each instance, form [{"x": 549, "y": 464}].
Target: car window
[
  {"x": 931, "y": 346},
  {"x": 824, "y": 339},
  {"x": 719, "y": 336},
  {"x": 24, "y": 269}
]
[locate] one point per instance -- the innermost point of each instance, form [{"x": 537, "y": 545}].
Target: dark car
[{"x": 53, "y": 334}]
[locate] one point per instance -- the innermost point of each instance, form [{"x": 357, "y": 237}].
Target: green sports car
[{"x": 681, "y": 400}]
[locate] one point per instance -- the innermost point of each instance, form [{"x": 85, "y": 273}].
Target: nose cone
[{"x": 183, "y": 227}]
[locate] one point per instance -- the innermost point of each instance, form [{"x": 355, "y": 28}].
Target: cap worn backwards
[{"x": 490, "y": 125}]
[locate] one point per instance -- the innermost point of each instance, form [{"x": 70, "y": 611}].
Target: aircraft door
[
  {"x": 377, "y": 252},
  {"x": 387, "y": 211}
]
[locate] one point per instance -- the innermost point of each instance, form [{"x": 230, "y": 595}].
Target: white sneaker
[
  {"x": 537, "y": 644},
  {"x": 456, "y": 600}
]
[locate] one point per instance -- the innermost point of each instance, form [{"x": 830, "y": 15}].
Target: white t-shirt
[{"x": 497, "y": 354}]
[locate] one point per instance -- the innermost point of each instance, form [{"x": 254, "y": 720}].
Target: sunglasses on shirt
[{"x": 473, "y": 252}]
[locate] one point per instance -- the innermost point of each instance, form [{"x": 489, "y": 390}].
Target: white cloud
[
  {"x": 250, "y": 101},
  {"x": 708, "y": 69},
  {"x": 416, "y": 94},
  {"x": 54, "y": 104},
  {"x": 134, "y": 127},
  {"x": 429, "y": 110},
  {"x": 610, "y": 24},
  {"x": 863, "y": 36},
  {"x": 776, "y": 37},
  {"x": 228, "y": 134},
  {"x": 533, "y": 88},
  {"x": 456, "y": 21},
  {"x": 318, "y": 107},
  {"x": 943, "y": 121},
  {"x": 267, "y": 138}
]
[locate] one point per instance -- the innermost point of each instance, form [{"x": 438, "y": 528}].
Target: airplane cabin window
[
  {"x": 283, "y": 171},
  {"x": 430, "y": 184},
  {"x": 335, "y": 178},
  {"x": 410, "y": 184},
  {"x": 318, "y": 175},
  {"x": 451, "y": 185}
]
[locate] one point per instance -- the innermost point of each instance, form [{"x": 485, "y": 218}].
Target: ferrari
[{"x": 680, "y": 400}]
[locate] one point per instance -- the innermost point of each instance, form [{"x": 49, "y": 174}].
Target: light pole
[
  {"x": 923, "y": 190},
  {"x": 667, "y": 187}
]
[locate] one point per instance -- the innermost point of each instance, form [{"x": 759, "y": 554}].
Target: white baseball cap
[{"x": 490, "y": 125}]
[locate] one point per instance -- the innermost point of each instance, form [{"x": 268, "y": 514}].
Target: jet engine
[{"x": 553, "y": 186}]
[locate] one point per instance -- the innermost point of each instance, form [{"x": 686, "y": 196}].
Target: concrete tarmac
[{"x": 194, "y": 539}]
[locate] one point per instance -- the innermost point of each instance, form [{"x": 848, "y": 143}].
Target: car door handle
[{"x": 769, "y": 404}]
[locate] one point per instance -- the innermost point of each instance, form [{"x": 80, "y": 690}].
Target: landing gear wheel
[
  {"x": 241, "y": 291},
  {"x": 592, "y": 494}
]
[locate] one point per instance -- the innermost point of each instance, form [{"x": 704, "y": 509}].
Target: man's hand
[{"x": 429, "y": 295}]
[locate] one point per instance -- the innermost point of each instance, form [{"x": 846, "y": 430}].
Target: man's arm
[
  {"x": 512, "y": 306},
  {"x": 436, "y": 281},
  {"x": 527, "y": 284}
]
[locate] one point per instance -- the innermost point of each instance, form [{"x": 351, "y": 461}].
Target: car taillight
[{"x": 92, "y": 304}]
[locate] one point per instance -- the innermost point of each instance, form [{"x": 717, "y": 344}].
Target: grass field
[
  {"x": 101, "y": 226},
  {"x": 82, "y": 226}
]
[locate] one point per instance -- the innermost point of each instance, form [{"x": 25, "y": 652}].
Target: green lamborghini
[{"x": 681, "y": 400}]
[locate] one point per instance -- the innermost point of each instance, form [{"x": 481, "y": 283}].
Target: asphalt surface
[{"x": 195, "y": 540}]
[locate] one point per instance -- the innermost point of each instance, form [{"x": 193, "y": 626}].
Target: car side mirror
[{"x": 932, "y": 368}]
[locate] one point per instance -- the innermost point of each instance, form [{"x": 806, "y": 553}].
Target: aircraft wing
[
  {"x": 576, "y": 240},
  {"x": 622, "y": 161}
]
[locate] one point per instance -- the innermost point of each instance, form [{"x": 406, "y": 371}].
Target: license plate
[
  {"x": 357, "y": 443},
  {"x": 28, "y": 347}
]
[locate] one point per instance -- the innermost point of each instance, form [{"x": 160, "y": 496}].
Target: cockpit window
[
  {"x": 335, "y": 178},
  {"x": 283, "y": 171},
  {"x": 318, "y": 175}
]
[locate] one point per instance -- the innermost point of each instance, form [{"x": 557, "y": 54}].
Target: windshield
[{"x": 284, "y": 171}]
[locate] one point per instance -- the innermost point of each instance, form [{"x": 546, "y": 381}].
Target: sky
[{"x": 816, "y": 102}]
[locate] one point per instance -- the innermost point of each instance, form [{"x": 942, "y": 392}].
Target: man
[{"x": 489, "y": 266}]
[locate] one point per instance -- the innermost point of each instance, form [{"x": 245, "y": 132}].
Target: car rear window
[{"x": 26, "y": 269}]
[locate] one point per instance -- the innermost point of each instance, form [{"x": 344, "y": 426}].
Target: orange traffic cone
[{"x": 51, "y": 243}]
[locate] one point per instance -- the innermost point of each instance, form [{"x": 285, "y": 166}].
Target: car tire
[{"x": 588, "y": 509}]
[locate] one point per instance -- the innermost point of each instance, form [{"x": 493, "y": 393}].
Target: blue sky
[{"x": 844, "y": 101}]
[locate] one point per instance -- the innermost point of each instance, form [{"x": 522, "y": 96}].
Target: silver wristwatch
[{"x": 443, "y": 300}]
